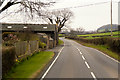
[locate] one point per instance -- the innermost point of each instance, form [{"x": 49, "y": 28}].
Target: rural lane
[{"x": 83, "y": 63}]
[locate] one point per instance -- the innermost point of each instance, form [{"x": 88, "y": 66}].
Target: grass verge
[
  {"x": 60, "y": 42},
  {"x": 31, "y": 68},
  {"x": 102, "y": 48}
]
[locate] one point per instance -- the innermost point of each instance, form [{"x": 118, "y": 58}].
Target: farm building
[{"x": 107, "y": 28}]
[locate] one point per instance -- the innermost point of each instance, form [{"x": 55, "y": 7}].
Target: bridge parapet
[{"x": 32, "y": 27}]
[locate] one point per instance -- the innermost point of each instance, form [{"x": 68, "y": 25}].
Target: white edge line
[
  {"x": 87, "y": 64},
  {"x": 111, "y": 58},
  {"x": 104, "y": 54},
  {"x": 51, "y": 65},
  {"x": 83, "y": 57},
  {"x": 108, "y": 56},
  {"x": 93, "y": 76}
]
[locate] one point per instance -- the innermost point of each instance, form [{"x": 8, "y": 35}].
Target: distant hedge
[
  {"x": 114, "y": 44},
  {"x": 8, "y": 59}
]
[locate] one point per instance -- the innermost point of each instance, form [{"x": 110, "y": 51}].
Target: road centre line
[
  {"x": 93, "y": 76},
  {"x": 83, "y": 57},
  {"x": 80, "y": 52},
  {"x": 87, "y": 64},
  {"x": 102, "y": 53},
  {"x": 77, "y": 49},
  {"x": 51, "y": 65}
]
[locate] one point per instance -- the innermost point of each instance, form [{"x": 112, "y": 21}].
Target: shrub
[
  {"x": 10, "y": 36},
  {"x": 8, "y": 43},
  {"x": 8, "y": 59},
  {"x": 42, "y": 45},
  {"x": 114, "y": 44}
]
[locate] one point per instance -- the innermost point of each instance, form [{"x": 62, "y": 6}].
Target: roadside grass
[
  {"x": 60, "y": 42},
  {"x": 32, "y": 67},
  {"x": 102, "y": 48}
]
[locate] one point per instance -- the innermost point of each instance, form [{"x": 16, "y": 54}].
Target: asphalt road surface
[
  {"x": 0, "y": 61},
  {"x": 79, "y": 62}
]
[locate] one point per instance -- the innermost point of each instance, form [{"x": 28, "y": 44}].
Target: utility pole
[{"x": 111, "y": 19}]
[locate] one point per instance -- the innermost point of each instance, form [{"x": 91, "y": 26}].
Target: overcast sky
[{"x": 88, "y": 17}]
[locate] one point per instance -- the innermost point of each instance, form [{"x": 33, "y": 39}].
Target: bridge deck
[{"x": 32, "y": 27}]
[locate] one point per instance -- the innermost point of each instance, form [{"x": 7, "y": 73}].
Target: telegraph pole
[{"x": 111, "y": 19}]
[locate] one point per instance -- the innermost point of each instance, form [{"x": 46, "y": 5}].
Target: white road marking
[
  {"x": 93, "y": 76},
  {"x": 101, "y": 53},
  {"x": 83, "y": 57},
  {"x": 104, "y": 54},
  {"x": 110, "y": 57},
  {"x": 77, "y": 49},
  {"x": 80, "y": 52},
  {"x": 87, "y": 64},
  {"x": 51, "y": 65}
]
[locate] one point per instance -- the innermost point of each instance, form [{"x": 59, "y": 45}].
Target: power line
[
  {"x": 72, "y": 7},
  {"x": 93, "y": 4}
]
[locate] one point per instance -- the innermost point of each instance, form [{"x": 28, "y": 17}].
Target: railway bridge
[{"x": 49, "y": 29}]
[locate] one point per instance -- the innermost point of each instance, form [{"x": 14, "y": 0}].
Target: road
[
  {"x": 83, "y": 63},
  {"x": 0, "y": 60}
]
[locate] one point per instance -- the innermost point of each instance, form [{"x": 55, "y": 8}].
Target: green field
[
  {"x": 61, "y": 35},
  {"x": 100, "y": 34},
  {"x": 90, "y": 36},
  {"x": 31, "y": 68}
]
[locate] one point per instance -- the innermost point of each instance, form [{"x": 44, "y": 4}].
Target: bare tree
[
  {"x": 8, "y": 4},
  {"x": 72, "y": 32},
  {"x": 80, "y": 30},
  {"x": 32, "y": 6},
  {"x": 48, "y": 17},
  {"x": 60, "y": 17}
]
